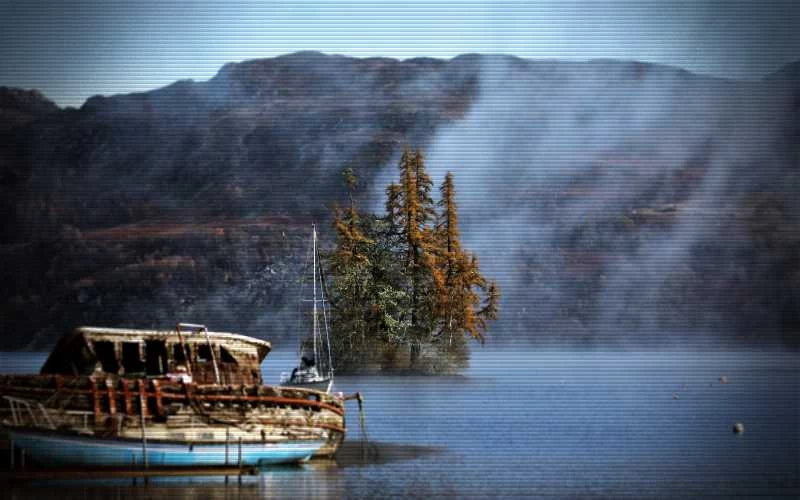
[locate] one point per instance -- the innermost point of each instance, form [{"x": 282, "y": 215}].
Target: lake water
[{"x": 537, "y": 423}]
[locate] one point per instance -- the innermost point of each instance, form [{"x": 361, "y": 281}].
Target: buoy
[
  {"x": 675, "y": 395},
  {"x": 723, "y": 380},
  {"x": 738, "y": 428}
]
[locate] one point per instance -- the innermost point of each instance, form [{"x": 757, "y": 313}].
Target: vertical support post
[
  {"x": 227, "y": 440},
  {"x": 98, "y": 414},
  {"x": 159, "y": 402},
  {"x": 183, "y": 350},
  {"x": 13, "y": 452},
  {"x": 126, "y": 393},
  {"x": 142, "y": 419},
  {"x": 112, "y": 397},
  {"x": 240, "y": 460},
  {"x": 143, "y": 397}
]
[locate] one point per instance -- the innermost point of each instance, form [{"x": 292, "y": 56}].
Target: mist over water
[{"x": 610, "y": 197}]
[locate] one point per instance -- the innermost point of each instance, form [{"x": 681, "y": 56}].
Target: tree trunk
[{"x": 414, "y": 352}]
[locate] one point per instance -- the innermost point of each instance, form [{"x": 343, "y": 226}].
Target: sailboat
[{"x": 315, "y": 367}]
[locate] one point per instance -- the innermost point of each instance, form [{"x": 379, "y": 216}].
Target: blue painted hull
[{"x": 51, "y": 449}]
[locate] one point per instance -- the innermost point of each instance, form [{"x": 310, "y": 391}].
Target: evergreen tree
[
  {"x": 368, "y": 308},
  {"x": 404, "y": 279},
  {"x": 413, "y": 209},
  {"x": 457, "y": 299},
  {"x": 350, "y": 268},
  {"x": 426, "y": 212}
]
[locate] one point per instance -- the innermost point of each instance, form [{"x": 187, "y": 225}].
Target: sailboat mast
[{"x": 314, "y": 251}]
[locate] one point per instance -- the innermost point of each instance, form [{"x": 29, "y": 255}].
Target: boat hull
[
  {"x": 317, "y": 385},
  {"x": 116, "y": 409},
  {"x": 53, "y": 449}
]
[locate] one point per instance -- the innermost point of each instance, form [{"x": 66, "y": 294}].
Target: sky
[{"x": 73, "y": 49}]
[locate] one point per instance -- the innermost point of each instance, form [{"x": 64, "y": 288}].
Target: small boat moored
[{"x": 315, "y": 370}]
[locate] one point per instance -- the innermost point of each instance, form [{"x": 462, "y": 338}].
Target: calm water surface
[{"x": 537, "y": 423}]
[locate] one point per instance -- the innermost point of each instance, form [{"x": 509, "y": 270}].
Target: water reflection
[
  {"x": 320, "y": 478},
  {"x": 355, "y": 454}
]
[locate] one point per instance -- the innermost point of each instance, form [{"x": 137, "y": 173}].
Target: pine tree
[
  {"x": 412, "y": 208},
  {"x": 404, "y": 279},
  {"x": 369, "y": 308},
  {"x": 426, "y": 211},
  {"x": 447, "y": 235},
  {"x": 457, "y": 299},
  {"x": 447, "y": 227},
  {"x": 350, "y": 267}
]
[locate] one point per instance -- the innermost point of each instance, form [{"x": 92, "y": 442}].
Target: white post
[
  {"x": 213, "y": 356},
  {"x": 143, "y": 423}
]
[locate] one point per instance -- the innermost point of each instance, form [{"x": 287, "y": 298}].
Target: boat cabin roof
[
  {"x": 126, "y": 351},
  {"x": 188, "y": 336}
]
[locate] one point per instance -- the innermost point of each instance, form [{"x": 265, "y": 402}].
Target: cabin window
[
  {"x": 226, "y": 356},
  {"x": 155, "y": 354},
  {"x": 204, "y": 353},
  {"x": 178, "y": 353},
  {"x": 131, "y": 360},
  {"x": 106, "y": 356}
]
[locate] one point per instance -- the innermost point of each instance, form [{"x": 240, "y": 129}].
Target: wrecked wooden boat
[{"x": 183, "y": 397}]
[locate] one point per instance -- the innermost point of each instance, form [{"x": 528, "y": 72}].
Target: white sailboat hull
[{"x": 322, "y": 385}]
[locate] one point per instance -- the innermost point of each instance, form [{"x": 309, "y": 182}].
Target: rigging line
[
  {"x": 324, "y": 290},
  {"x": 325, "y": 320}
]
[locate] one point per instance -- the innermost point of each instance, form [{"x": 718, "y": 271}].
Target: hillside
[{"x": 613, "y": 200}]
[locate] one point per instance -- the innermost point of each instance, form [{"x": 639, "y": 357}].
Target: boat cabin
[{"x": 188, "y": 353}]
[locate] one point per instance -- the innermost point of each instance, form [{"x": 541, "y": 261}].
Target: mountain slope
[{"x": 613, "y": 200}]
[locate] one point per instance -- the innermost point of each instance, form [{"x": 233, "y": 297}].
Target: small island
[{"x": 406, "y": 296}]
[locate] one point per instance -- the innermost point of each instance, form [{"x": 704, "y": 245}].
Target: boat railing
[
  {"x": 111, "y": 396},
  {"x": 20, "y": 408}
]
